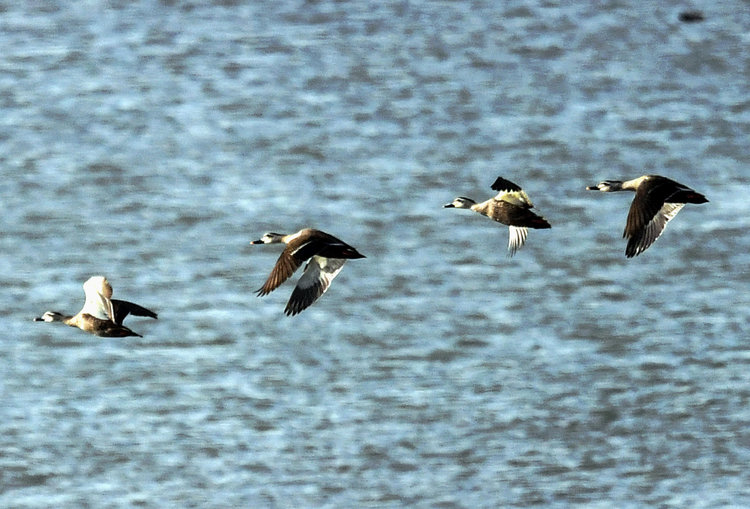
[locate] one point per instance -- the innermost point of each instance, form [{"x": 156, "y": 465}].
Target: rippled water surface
[{"x": 151, "y": 141}]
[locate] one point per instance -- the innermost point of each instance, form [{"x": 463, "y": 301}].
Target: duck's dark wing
[
  {"x": 314, "y": 282},
  {"x": 641, "y": 239},
  {"x": 649, "y": 199},
  {"x": 293, "y": 256},
  {"x": 502, "y": 184},
  {"x": 123, "y": 308},
  {"x": 284, "y": 268}
]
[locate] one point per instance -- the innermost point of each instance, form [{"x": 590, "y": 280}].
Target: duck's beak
[
  {"x": 449, "y": 206},
  {"x": 257, "y": 242},
  {"x": 38, "y": 319},
  {"x": 592, "y": 188}
]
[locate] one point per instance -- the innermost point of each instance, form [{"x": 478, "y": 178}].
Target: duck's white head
[
  {"x": 461, "y": 202},
  {"x": 270, "y": 238},
  {"x": 50, "y": 316},
  {"x": 606, "y": 186}
]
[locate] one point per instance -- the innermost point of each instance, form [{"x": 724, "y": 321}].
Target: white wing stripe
[{"x": 516, "y": 238}]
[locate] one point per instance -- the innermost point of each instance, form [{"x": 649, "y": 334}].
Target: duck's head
[
  {"x": 270, "y": 238},
  {"x": 50, "y": 316},
  {"x": 606, "y": 186},
  {"x": 461, "y": 202}
]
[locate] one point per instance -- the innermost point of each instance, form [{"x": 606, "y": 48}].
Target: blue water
[{"x": 151, "y": 141}]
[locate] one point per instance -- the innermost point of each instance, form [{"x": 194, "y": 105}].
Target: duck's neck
[
  {"x": 631, "y": 185},
  {"x": 54, "y": 316}
]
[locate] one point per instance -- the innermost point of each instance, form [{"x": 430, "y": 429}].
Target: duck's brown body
[
  {"x": 94, "y": 325},
  {"x": 510, "y": 214}
]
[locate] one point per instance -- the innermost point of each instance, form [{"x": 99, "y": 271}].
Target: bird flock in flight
[{"x": 657, "y": 201}]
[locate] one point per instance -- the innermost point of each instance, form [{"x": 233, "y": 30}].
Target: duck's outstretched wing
[
  {"x": 97, "y": 305},
  {"x": 512, "y": 193},
  {"x": 640, "y": 239},
  {"x": 123, "y": 308},
  {"x": 314, "y": 282},
  {"x": 289, "y": 261}
]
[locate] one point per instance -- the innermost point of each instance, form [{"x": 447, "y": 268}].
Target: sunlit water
[{"x": 150, "y": 142}]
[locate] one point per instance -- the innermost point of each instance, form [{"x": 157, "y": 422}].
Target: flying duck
[
  {"x": 657, "y": 200},
  {"x": 100, "y": 315},
  {"x": 511, "y": 206},
  {"x": 325, "y": 256}
]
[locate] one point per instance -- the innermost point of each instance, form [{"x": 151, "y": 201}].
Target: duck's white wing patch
[
  {"x": 653, "y": 229},
  {"x": 517, "y": 238},
  {"x": 517, "y": 198},
  {"x": 314, "y": 282},
  {"x": 98, "y": 291},
  {"x": 98, "y": 305}
]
